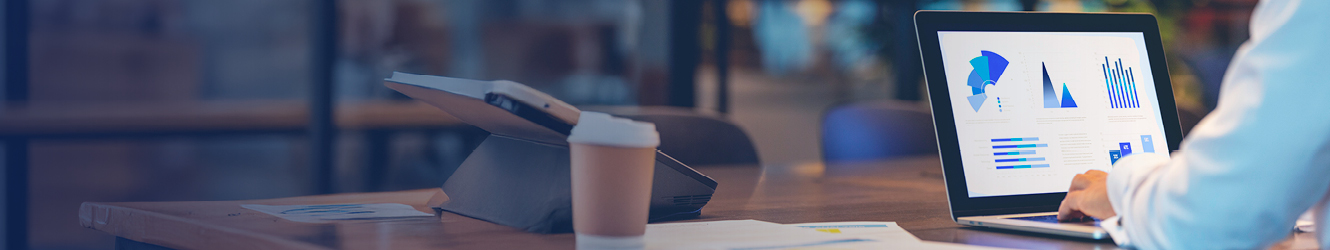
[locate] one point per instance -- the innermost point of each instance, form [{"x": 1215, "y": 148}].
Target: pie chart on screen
[{"x": 988, "y": 68}]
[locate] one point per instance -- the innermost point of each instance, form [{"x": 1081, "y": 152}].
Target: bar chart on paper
[{"x": 1121, "y": 82}]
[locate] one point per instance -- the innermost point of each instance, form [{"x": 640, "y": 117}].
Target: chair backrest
[
  {"x": 693, "y": 138},
  {"x": 877, "y": 130}
]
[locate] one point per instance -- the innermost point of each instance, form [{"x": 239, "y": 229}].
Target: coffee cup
[{"x": 613, "y": 160}]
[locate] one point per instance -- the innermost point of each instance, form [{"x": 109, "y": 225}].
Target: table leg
[
  {"x": 16, "y": 193},
  {"x": 17, "y": 25},
  {"x": 378, "y": 146}
]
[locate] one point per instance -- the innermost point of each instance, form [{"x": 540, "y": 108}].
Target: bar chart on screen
[
  {"x": 1121, "y": 84},
  {"x": 1019, "y": 155}
]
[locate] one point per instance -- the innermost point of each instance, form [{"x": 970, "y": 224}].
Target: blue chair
[{"x": 874, "y": 130}]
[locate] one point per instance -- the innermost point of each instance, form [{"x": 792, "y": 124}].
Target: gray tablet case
[{"x": 519, "y": 176}]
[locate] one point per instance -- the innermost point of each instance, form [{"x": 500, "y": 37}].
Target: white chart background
[{"x": 1078, "y": 138}]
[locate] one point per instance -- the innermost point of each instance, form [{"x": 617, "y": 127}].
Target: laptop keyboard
[{"x": 1054, "y": 219}]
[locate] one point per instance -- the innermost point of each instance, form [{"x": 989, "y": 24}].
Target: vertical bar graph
[
  {"x": 1114, "y": 72},
  {"x": 1148, "y": 143},
  {"x": 1131, "y": 80},
  {"x": 1121, "y": 95},
  {"x": 1121, "y": 83}
]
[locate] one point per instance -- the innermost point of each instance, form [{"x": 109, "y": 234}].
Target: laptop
[{"x": 1024, "y": 101}]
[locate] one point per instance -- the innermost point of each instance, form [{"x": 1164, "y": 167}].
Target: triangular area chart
[
  {"x": 1051, "y": 98},
  {"x": 1067, "y": 101},
  {"x": 988, "y": 67}
]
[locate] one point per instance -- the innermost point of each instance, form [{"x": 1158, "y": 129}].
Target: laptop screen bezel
[{"x": 929, "y": 23}]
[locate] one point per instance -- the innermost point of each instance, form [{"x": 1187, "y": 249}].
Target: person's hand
[{"x": 1088, "y": 196}]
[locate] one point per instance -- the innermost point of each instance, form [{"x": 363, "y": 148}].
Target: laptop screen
[{"x": 1033, "y": 109}]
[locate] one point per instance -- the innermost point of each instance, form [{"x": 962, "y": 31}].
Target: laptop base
[{"x": 1018, "y": 222}]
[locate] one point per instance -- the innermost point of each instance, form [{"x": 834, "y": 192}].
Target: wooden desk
[{"x": 908, "y": 191}]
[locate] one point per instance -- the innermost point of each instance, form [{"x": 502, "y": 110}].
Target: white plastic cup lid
[{"x": 602, "y": 129}]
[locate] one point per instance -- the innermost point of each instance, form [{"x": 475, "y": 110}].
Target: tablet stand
[
  {"x": 527, "y": 184},
  {"x": 520, "y": 176}
]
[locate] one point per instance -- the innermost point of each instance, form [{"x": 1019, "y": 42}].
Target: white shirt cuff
[
  {"x": 1128, "y": 173},
  {"x": 1113, "y": 226}
]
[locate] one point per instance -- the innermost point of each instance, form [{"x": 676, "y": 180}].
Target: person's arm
[{"x": 1252, "y": 166}]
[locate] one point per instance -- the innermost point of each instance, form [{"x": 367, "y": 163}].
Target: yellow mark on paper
[{"x": 829, "y": 230}]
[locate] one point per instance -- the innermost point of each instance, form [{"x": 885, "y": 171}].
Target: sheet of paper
[
  {"x": 933, "y": 245},
  {"x": 880, "y": 235},
  {"x": 875, "y": 245},
  {"x": 874, "y": 230},
  {"x": 761, "y": 235},
  {"x": 736, "y": 234},
  {"x": 337, "y": 212}
]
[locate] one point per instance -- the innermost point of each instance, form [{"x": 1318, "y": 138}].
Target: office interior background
[{"x": 174, "y": 100}]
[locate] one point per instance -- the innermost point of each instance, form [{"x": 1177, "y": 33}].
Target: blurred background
[{"x": 174, "y": 100}]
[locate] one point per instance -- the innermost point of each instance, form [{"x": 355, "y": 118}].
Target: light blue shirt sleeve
[{"x": 1250, "y": 168}]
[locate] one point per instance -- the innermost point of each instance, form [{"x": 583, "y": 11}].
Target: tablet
[{"x": 500, "y": 107}]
